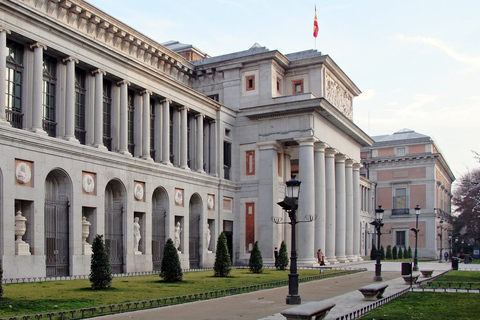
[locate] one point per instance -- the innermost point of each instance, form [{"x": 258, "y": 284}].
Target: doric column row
[
  {"x": 144, "y": 109},
  {"x": 330, "y": 192}
]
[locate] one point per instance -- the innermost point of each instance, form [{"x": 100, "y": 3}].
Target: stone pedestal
[
  {"x": 21, "y": 247},
  {"x": 87, "y": 248}
]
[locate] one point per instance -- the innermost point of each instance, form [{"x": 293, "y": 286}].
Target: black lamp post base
[
  {"x": 415, "y": 268},
  {"x": 377, "y": 278},
  {"x": 293, "y": 299}
]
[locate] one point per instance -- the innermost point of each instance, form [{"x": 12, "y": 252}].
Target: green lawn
[
  {"x": 429, "y": 305},
  {"x": 42, "y": 297}
]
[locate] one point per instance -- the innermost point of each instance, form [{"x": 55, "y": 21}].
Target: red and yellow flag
[{"x": 315, "y": 24}]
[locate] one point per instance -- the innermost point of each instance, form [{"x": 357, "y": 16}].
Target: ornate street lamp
[
  {"x": 290, "y": 205},
  {"x": 415, "y": 257},
  {"x": 378, "y": 224}
]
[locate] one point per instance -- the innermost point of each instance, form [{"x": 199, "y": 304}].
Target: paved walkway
[{"x": 267, "y": 304}]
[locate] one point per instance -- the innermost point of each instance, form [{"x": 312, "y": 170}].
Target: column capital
[
  {"x": 330, "y": 152},
  {"x": 357, "y": 166},
  {"x": 146, "y": 91},
  {"x": 266, "y": 145},
  {"x": 122, "y": 82},
  {"x": 169, "y": 101},
  {"x": 340, "y": 157},
  {"x": 38, "y": 45},
  {"x": 3, "y": 29},
  {"x": 306, "y": 140},
  {"x": 70, "y": 59},
  {"x": 349, "y": 162},
  {"x": 99, "y": 71},
  {"x": 183, "y": 108},
  {"x": 321, "y": 146},
  {"x": 199, "y": 115}
]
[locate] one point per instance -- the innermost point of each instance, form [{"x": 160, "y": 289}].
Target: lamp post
[
  {"x": 290, "y": 205},
  {"x": 441, "y": 241},
  {"x": 377, "y": 223},
  {"x": 415, "y": 256}
]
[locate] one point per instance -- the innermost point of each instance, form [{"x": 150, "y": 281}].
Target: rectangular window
[
  {"x": 14, "y": 77},
  {"x": 400, "y": 238},
  {"x": 400, "y": 202},
  {"x": 214, "y": 97},
  {"x": 297, "y": 86},
  {"x": 131, "y": 123},
  {"x": 49, "y": 94},
  {"x": 227, "y": 159},
  {"x": 107, "y": 114},
  {"x": 250, "y": 83},
  {"x": 400, "y": 151},
  {"x": 80, "y": 91},
  {"x": 250, "y": 163},
  {"x": 279, "y": 85},
  {"x": 249, "y": 226}
]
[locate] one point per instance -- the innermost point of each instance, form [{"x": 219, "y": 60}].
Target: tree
[
  {"x": 373, "y": 253},
  {"x": 222, "y": 264},
  {"x": 255, "y": 264},
  {"x": 100, "y": 269},
  {"x": 171, "y": 269},
  {"x": 466, "y": 199},
  {"x": 409, "y": 252},
  {"x": 382, "y": 253},
  {"x": 394, "y": 253},
  {"x": 282, "y": 261},
  {"x": 400, "y": 253},
  {"x": 405, "y": 253},
  {"x": 389, "y": 253}
]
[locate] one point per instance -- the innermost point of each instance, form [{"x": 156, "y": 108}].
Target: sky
[{"x": 417, "y": 62}]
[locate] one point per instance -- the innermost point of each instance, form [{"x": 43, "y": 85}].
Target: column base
[
  {"x": 4, "y": 122},
  {"x": 342, "y": 259},
  {"x": 71, "y": 139},
  {"x": 331, "y": 260},
  {"x": 100, "y": 147},
  {"x": 168, "y": 163},
  {"x": 87, "y": 249},
  {"x": 22, "y": 249},
  {"x": 39, "y": 131},
  {"x": 351, "y": 258},
  {"x": 125, "y": 153},
  {"x": 148, "y": 158}
]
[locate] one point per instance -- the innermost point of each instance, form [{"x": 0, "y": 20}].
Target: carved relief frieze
[{"x": 338, "y": 96}]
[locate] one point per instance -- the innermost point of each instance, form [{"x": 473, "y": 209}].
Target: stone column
[
  {"x": 37, "y": 89},
  {"x": 146, "y": 125},
  {"x": 166, "y": 133},
  {"x": 158, "y": 131},
  {"x": 320, "y": 194},
  {"x": 123, "y": 128},
  {"x": 213, "y": 149},
  {"x": 183, "y": 138},
  {"x": 200, "y": 143},
  {"x": 306, "y": 202},
  {"x": 287, "y": 151},
  {"x": 98, "y": 116},
  {"x": 3, "y": 70},
  {"x": 349, "y": 210},
  {"x": 267, "y": 197},
  {"x": 70, "y": 100},
  {"x": 356, "y": 212},
  {"x": 330, "y": 206},
  {"x": 340, "y": 236}
]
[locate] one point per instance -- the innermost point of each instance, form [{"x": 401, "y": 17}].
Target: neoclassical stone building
[
  {"x": 104, "y": 131},
  {"x": 409, "y": 170}
]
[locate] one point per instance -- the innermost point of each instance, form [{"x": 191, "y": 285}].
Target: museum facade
[{"x": 104, "y": 131}]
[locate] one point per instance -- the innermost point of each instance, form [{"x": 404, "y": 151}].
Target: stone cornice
[{"x": 86, "y": 19}]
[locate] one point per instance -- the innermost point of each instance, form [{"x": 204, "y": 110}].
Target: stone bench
[
  {"x": 413, "y": 278},
  {"x": 426, "y": 273},
  {"x": 307, "y": 311},
  {"x": 373, "y": 291}
]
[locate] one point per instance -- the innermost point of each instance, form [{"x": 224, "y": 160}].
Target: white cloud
[
  {"x": 368, "y": 94},
  {"x": 472, "y": 61}
]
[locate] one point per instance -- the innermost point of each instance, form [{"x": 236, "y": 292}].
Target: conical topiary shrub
[
  {"x": 100, "y": 269},
  {"x": 395, "y": 253},
  {"x": 409, "y": 252},
  {"x": 222, "y": 264},
  {"x": 170, "y": 270},
  {"x": 382, "y": 253},
  {"x": 389, "y": 253},
  {"x": 373, "y": 253},
  {"x": 255, "y": 264},
  {"x": 282, "y": 261},
  {"x": 400, "y": 253}
]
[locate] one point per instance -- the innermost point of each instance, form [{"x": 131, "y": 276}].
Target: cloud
[
  {"x": 368, "y": 94},
  {"x": 472, "y": 61}
]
